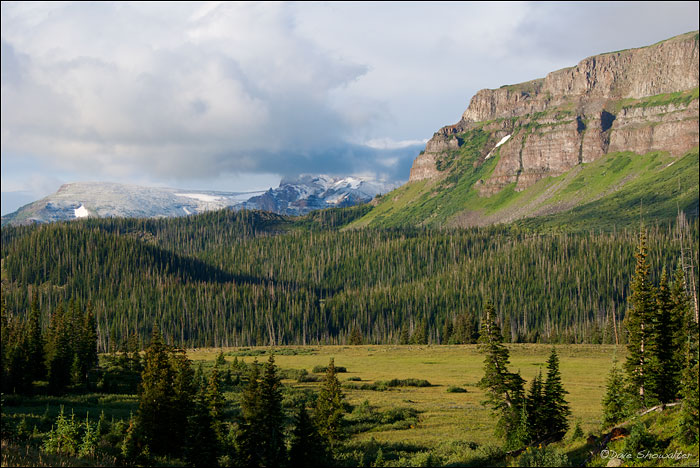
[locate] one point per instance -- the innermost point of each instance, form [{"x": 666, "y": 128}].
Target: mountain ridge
[{"x": 512, "y": 138}]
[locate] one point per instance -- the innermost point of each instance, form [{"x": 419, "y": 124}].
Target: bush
[
  {"x": 640, "y": 439},
  {"x": 323, "y": 369},
  {"x": 542, "y": 456},
  {"x": 455, "y": 389}
]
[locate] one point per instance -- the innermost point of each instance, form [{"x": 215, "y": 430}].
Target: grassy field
[
  {"x": 436, "y": 427},
  {"x": 443, "y": 416}
]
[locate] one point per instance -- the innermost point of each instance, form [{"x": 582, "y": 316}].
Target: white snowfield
[
  {"x": 81, "y": 212},
  {"x": 200, "y": 196},
  {"x": 503, "y": 140}
]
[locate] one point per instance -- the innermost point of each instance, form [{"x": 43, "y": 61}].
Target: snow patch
[
  {"x": 200, "y": 196},
  {"x": 81, "y": 212},
  {"x": 503, "y": 140}
]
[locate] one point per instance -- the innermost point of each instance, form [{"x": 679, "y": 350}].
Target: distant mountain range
[{"x": 296, "y": 196}]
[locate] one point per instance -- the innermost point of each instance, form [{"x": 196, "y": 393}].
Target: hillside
[{"x": 617, "y": 132}]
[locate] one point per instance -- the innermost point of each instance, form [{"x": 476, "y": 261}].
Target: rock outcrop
[{"x": 637, "y": 100}]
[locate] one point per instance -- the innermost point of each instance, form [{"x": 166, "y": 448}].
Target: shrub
[
  {"x": 455, "y": 389},
  {"x": 323, "y": 369},
  {"x": 542, "y": 456}
]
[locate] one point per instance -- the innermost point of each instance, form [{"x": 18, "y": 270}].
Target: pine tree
[
  {"x": 447, "y": 331},
  {"x": 307, "y": 447},
  {"x": 355, "y": 336},
  {"x": 36, "y": 356},
  {"x": 330, "y": 410},
  {"x": 275, "y": 453},
  {"x": 664, "y": 366},
  {"x": 249, "y": 438},
  {"x": 202, "y": 447},
  {"x": 504, "y": 389},
  {"x": 640, "y": 330},
  {"x": 555, "y": 409},
  {"x": 157, "y": 401},
  {"x": 59, "y": 352},
  {"x": 614, "y": 404},
  {"x": 536, "y": 425}
]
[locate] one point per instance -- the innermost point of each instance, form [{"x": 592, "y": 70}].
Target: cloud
[
  {"x": 120, "y": 90},
  {"x": 189, "y": 92}
]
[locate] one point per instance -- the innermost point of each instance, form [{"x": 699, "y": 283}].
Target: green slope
[{"x": 605, "y": 194}]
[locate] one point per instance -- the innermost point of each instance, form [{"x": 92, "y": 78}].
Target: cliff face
[{"x": 637, "y": 100}]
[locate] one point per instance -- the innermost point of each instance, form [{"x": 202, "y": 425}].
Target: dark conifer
[
  {"x": 555, "y": 409},
  {"x": 614, "y": 404},
  {"x": 504, "y": 389},
  {"x": 272, "y": 416},
  {"x": 330, "y": 409},
  {"x": 639, "y": 323},
  {"x": 307, "y": 447}
]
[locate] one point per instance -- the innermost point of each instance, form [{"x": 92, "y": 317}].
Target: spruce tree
[
  {"x": 36, "y": 357},
  {"x": 555, "y": 409},
  {"x": 59, "y": 350},
  {"x": 639, "y": 322},
  {"x": 504, "y": 389},
  {"x": 272, "y": 416},
  {"x": 355, "y": 336},
  {"x": 307, "y": 447},
  {"x": 663, "y": 357},
  {"x": 614, "y": 404},
  {"x": 202, "y": 447},
  {"x": 536, "y": 425},
  {"x": 330, "y": 410},
  {"x": 249, "y": 439},
  {"x": 157, "y": 400}
]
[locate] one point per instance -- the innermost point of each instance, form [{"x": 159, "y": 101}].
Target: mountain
[
  {"x": 300, "y": 195},
  {"x": 107, "y": 200},
  {"x": 589, "y": 142}
]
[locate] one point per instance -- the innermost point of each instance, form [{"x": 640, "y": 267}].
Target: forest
[{"x": 247, "y": 278}]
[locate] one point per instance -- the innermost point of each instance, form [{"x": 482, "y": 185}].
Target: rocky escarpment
[{"x": 637, "y": 100}]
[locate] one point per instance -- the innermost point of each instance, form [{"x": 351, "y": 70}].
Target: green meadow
[{"x": 442, "y": 415}]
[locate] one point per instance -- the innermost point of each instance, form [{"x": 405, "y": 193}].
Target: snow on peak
[{"x": 81, "y": 212}]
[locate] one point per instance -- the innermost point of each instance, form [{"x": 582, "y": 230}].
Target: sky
[{"x": 234, "y": 96}]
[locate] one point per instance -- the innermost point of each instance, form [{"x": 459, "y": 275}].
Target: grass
[
  {"x": 444, "y": 416},
  {"x": 437, "y": 420}
]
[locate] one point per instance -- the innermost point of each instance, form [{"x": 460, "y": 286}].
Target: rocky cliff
[{"x": 637, "y": 100}]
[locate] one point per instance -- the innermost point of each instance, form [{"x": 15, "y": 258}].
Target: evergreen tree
[
  {"x": 249, "y": 439},
  {"x": 184, "y": 391},
  {"x": 614, "y": 404},
  {"x": 640, "y": 331},
  {"x": 355, "y": 336},
  {"x": 157, "y": 401},
  {"x": 330, "y": 410},
  {"x": 690, "y": 419},
  {"x": 272, "y": 416},
  {"x": 536, "y": 425},
  {"x": 202, "y": 448},
  {"x": 555, "y": 409},
  {"x": 664, "y": 356},
  {"x": 59, "y": 350},
  {"x": 504, "y": 389},
  {"x": 215, "y": 401},
  {"x": 447, "y": 331},
  {"x": 307, "y": 447},
  {"x": 36, "y": 345}
]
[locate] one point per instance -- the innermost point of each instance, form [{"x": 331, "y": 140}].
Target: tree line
[{"x": 251, "y": 278}]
